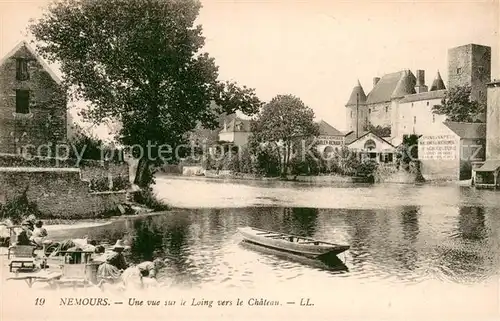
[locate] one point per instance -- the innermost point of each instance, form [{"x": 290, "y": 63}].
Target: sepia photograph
[{"x": 249, "y": 159}]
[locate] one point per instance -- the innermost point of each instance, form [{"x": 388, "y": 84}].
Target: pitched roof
[
  {"x": 428, "y": 95},
  {"x": 406, "y": 85},
  {"x": 437, "y": 83},
  {"x": 467, "y": 130},
  {"x": 490, "y": 165},
  {"x": 386, "y": 86},
  {"x": 357, "y": 91},
  {"x": 351, "y": 136},
  {"x": 44, "y": 65},
  {"x": 326, "y": 129},
  {"x": 237, "y": 125},
  {"x": 366, "y": 133}
]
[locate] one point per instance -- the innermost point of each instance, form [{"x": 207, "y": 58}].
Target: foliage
[
  {"x": 458, "y": 106},
  {"x": 284, "y": 120},
  {"x": 149, "y": 199},
  {"x": 379, "y": 130},
  {"x": 140, "y": 62},
  {"x": 407, "y": 151},
  {"x": 19, "y": 208},
  {"x": 86, "y": 145},
  {"x": 100, "y": 184},
  {"x": 367, "y": 168},
  {"x": 120, "y": 183}
]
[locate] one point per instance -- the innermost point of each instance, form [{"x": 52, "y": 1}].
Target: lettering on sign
[
  {"x": 330, "y": 140},
  {"x": 437, "y": 147}
]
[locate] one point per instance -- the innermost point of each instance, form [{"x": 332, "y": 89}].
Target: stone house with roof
[
  {"x": 235, "y": 130},
  {"x": 33, "y": 103},
  {"x": 447, "y": 150}
]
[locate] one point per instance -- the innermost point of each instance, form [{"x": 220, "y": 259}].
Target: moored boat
[{"x": 291, "y": 243}]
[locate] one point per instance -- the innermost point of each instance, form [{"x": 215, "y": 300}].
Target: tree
[
  {"x": 379, "y": 130},
  {"x": 458, "y": 106},
  {"x": 140, "y": 62},
  {"x": 282, "y": 121}
]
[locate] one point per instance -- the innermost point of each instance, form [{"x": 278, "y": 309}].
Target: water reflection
[
  {"x": 402, "y": 244},
  {"x": 300, "y": 221}
]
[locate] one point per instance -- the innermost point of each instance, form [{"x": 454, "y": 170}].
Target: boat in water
[{"x": 291, "y": 243}]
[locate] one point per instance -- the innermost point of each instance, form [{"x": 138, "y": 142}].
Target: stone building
[
  {"x": 487, "y": 175},
  {"x": 470, "y": 65},
  {"x": 33, "y": 103},
  {"x": 403, "y": 102},
  {"x": 235, "y": 130}
]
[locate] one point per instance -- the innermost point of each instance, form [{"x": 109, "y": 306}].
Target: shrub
[
  {"x": 100, "y": 184},
  {"x": 120, "y": 183},
  {"x": 147, "y": 198},
  {"x": 19, "y": 208}
]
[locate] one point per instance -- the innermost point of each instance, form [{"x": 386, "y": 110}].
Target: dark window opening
[
  {"x": 414, "y": 119},
  {"x": 459, "y": 70},
  {"x": 22, "y": 72},
  {"x": 386, "y": 109},
  {"x": 22, "y": 101},
  {"x": 427, "y": 103}
]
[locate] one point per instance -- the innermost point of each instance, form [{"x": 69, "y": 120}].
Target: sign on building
[
  {"x": 331, "y": 140},
  {"x": 438, "y": 147}
]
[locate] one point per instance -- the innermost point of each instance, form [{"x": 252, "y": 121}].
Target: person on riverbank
[
  {"x": 24, "y": 237},
  {"x": 150, "y": 269},
  {"x": 112, "y": 266},
  {"x": 39, "y": 233}
]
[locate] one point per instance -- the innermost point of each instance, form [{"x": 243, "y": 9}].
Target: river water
[{"x": 416, "y": 247}]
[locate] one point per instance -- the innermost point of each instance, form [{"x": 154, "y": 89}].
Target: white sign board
[{"x": 438, "y": 147}]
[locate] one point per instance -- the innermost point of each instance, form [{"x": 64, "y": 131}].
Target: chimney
[
  {"x": 375, "y": 81},
  {"x": 420, "y": 86}
]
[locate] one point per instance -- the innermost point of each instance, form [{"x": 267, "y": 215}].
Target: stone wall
[
  {"x": 46, "y": 121},
  {"x": 58, "y": 192},
  {"x": 440, "y": 170}
]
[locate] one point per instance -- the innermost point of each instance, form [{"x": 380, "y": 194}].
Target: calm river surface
[{"x": 444, "y": 238}]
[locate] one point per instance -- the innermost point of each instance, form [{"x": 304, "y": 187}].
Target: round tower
[{"x": 356, "y": 113}]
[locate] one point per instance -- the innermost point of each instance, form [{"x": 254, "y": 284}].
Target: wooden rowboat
[{"x": 291, "y": 243}]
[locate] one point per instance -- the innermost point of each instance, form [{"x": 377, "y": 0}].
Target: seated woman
[
  {"x": 39, "y": 233},
  {"x": 24, "y": 237}
]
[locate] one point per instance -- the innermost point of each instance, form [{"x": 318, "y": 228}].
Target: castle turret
[
  {"x": 356, "y": 113},
  {"x": 438, "y": 83}
]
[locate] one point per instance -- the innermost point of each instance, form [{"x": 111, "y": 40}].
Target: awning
[{"x": 489, "y": 166}]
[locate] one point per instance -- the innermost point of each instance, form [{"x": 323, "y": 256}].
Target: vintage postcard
[{"x": 249, "y": 160}]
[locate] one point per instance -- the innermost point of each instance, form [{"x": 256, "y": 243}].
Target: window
[
  {"x": 369, "y": 111},
  {"x": 414, "y": 119},
  {"x": 412, "y": 104},
  {"x": 427, "y": 103},
  {"x": 386, "y": 109},
  {"x": 459, "y": 71},
  {"x": 433, "y": 118},
  {"x": 22, "y": 101},
  {"x": 351, "y": 113},
  {"x": 22, "y": 69}
]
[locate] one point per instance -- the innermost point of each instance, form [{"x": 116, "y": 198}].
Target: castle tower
[
  {"x": 493, "y": 121},
  {"x": 438, "y": 83},
  {"x": 356, "y": 113},
  {"x": 470, "y": 65}
]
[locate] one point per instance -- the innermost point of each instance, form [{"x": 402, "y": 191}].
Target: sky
[{"x": 317, "y": 50}]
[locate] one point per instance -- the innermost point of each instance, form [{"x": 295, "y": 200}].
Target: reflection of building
[
  {"x": 235, "y": 130},
  {"x": 32, "y": 102}
]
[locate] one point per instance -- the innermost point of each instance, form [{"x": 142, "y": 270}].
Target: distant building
[
  {"x": 447, "y": 150},
  {"x": 403, "y": 102},
  {"x": 329, "y": 139},
  {"x": 32, "y": 102},
  {"x": 487, "y": 175},
  {"x": 373, "y": 147},
  {"x": 235, "y": 130}
]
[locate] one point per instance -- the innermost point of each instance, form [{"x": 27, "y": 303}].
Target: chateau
[{"x": 403, "y": 102}]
